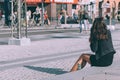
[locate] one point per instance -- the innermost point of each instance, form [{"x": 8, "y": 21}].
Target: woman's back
[
  {"x": 105, "y": 46},
  {"x": 100, "y": 39}
]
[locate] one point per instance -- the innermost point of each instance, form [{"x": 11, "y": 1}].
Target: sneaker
[{"x": 79, "y": 67}]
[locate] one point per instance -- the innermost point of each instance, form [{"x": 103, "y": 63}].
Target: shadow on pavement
[{"x": 56, "y": 71}]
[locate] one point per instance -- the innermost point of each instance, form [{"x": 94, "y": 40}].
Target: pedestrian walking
[
  {"x": 101, "y": 44},
  {"x": 37, "y": 15},
  {"x": 80, "y": 18},
  {"x": 0, "y": 14},
  {"x": 64, "y": 16},
  {"x": 59, "y": 18},
  {"x": 85, "y": 19},
  {"x": 28, "y": 16},
  {"x": 46, "y": 19},
  {"x": 75, "y": 16},
  {"x": 118, "y": 15}
]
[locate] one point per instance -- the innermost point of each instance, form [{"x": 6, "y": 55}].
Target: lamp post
[
  {"x": 19, "y": 19},
  {"x": 19, "y": 40},
  {"x": 26, "y": 18},
  {"x": 51, "y": 10},
  {"x": 42, "y": 13},
  {"x": 12, "y": 18},
  {"x": 91, "y": 3}
]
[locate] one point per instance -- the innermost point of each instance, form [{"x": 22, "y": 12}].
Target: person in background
[
  {"x": 85, "y": 19},
  {"x": 75, "y": 16},
  {"x": 59, "y": 18},
  {"x": 118, "y": 15},
  {"x": 0, "y": 14},
  {"x": 37, "y": 15},
  {"x": 80, "y": 18},
  {"x": 46, "y": 20},
  {"x": 101, "y": 44},
  {"x": 28, "y": 16},
  {"x": 64, "y": 16}
]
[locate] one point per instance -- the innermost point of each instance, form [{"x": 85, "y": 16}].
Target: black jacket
[{"x": 103, "y": 47}]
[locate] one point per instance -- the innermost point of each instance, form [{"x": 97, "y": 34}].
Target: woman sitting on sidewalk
[{"x": 101, "y": 44}]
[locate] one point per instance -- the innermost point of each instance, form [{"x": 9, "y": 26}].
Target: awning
[
  {"x": 33, "y": 1},
  {"x": 86, "y": 2},
  {"x": 66, "y": 1},
  {"x": 37, "y": 1}
]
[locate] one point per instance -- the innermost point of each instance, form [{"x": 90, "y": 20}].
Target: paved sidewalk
[
  {"x": 52, "y": 57},
  {"x": 53, "y": 54},
  {"x": 53, "y": 27},
  {"x": 98, "y": 73}
]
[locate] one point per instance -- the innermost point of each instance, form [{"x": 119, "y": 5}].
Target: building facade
[
  {"x": 102, "y": 7},
  {"x": 53, "y": 7},
  {"x": 110, "y": 7}
]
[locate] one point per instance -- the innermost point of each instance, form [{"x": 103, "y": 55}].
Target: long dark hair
[{"x": 98, "y": 30}]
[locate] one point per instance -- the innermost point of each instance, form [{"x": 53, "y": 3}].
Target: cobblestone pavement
[
  {"x": 54, "y": 55},
  {"x": 42, "y": 59}
]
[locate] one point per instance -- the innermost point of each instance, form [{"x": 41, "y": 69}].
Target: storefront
[
  {"x": 53, "y": 7},
  {"x": 32, "y": 4},
  {"x": 68, "y": 5}
]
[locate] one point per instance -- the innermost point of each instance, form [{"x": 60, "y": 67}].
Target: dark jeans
[
  {"x": 81, "y": 22},
  {"x": 46, "y": 21}
]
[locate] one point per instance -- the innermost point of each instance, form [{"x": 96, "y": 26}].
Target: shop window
[
  {"x": 73, "y": 6},
  {"x": 61, "y": 6},
  {"x": 64, "y": 6}
]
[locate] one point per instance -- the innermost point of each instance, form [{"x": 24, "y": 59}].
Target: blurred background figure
[
  {"x": 46, "y": 19},
  {"x": 75, "y": 16},
  {"x": 118, "y": 15},
  {"x": 59, "y": 18},
  {"x": 28, "y": 16},
  {"x": 37, "y": 15}
]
